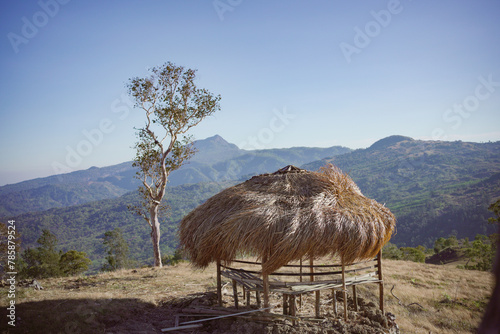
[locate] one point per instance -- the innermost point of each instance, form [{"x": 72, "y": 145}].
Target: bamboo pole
[
  {"x": 219, "y": 284},
  {"x": 380, "y": 277}
]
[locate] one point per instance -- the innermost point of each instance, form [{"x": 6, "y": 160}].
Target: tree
[
  {"x": 481, "y": 254},
  {"x": 173, "y": 105},
  {"x": 173, "y": 259},
  {"x": 416, "y": 254},
  {"x": 391, "y": 251},
  {"x": 74, "y": 263},
  {"x": 42, "y": 261},
  {"x": 495, "y": 208},
  {"x": 117, "y": 249}
]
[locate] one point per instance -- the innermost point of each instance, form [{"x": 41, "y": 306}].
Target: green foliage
[
  {"x": 495, "y": 208},
  {"x": 45, "y": 261},
  {"x": 172, "y": 260},
  {"x": 481, "y": 254},
  {"x": 441, "y": 243},
  {"x": 42, "y": 261},
  {"x": 74, "y": 263},
  {"x": 392, "y": 252},
  {"x": 117, "y": 250},
  {"x": 416, "y": 254}
]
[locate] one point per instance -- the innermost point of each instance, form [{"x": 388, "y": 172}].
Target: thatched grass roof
[{"x": 287, "y": 215}]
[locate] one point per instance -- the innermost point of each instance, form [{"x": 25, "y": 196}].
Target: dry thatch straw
[{"x": 287, "y": 215}]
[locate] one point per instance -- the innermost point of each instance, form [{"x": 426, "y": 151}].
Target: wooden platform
[{"x": 337, "y": 281}]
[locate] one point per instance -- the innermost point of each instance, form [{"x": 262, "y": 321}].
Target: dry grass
[
  {"x": 285, "y": 216},
  {"x": 453, "y": 300}
]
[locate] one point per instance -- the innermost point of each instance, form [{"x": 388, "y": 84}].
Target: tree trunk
[{"x": 155, "y": 233}]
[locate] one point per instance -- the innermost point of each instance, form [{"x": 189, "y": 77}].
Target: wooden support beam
[
  {"x": 354, "y": 297},
  {"x": 344, "y": 290},
  {"x": 380, "y": 277},
  {"x": 257, "y": 298},
  {"x": 265, "y": 283},
  {"x": 285, "y": 304},
  {"x": 311, "y": 278},
  {"x": 300, "y": 296},
  {"x": 316, "y": 304},
  {"x": 291, "y": 306},
  {"x": 219, "y": 284},
  {"x": 235, "y": 293},
  {"x": 334, "y": 301},
  {"x": 248, "y": 296}
]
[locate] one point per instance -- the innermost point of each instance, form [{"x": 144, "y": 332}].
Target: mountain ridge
[{"x": 216, "y": 161}]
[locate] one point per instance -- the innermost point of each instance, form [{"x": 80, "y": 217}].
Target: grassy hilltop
[{"x": 449, "y": 300}]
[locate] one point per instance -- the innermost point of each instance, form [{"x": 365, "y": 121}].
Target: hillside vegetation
[{"x": 435, "y": 189}]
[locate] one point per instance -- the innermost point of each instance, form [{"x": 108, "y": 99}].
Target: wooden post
[
  {"x": 235, "y": 294},
  {"x": 257, "y": 298},
  {"x": 265, "y": 283},
  {"x": 311, "y": 270},
  {"x": 380, "y": 277},
  {"x": 344, "y": 290},
  {"x": 292, "y": 310},
  {"x": 300, "y": 296},
  {"x": 285, "y": 304},
  {"x": 354, "y": 297},
  {"x": 291, "y": 306},
  {"x": 334, "y": 301},
  {"x": 248, "y": 295},
  {"x": 219, "y": 284}
]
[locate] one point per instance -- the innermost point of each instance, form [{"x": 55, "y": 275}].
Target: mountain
[
  {"x": 216, "y": 161},
  {"x": 434, "y": 188}
]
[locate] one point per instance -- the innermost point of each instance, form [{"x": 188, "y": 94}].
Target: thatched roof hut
[{"x": 285, "y": 216}]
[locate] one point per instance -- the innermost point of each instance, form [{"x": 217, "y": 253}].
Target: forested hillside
[
  {"x": 216, "y": 161},
  {"x": 434, "y": 188},
  {"x": 82, "y": 227}
]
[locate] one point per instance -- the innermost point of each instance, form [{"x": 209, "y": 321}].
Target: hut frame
[
  {"x": 284, "y": 217},
  {"x": 351, "y": 275}
]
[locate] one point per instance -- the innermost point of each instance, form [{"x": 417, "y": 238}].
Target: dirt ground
[{"x": 367, "y": 320}]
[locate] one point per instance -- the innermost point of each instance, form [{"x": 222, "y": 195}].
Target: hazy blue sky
[{"x": 290, "y": 73}]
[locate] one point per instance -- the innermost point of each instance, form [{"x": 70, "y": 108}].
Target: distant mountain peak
[
  {"x": 215, "y": 148},
  {"x": 214, "y": 141},
  {"x": 389, "y": 141}
]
